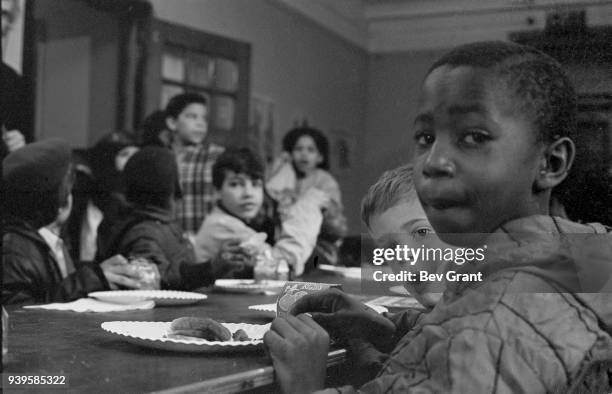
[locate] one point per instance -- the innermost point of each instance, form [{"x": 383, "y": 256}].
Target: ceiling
[
  {"x": 374, "y": 2},
  {"x": 400, "y": 25}
]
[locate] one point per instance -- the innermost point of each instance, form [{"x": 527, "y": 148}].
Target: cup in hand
[{"x": 148, "y": 273}]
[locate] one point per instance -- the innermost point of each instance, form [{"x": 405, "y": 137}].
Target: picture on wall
[
  {"x": 342, "y": 150},
  {"x": 261, "y": 127}
]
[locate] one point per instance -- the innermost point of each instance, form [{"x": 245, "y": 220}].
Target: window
[{"x": 187, "y": 60}]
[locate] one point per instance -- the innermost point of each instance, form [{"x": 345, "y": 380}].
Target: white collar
[
  {"x": 56, "y": 245},
  {"x": 52, "y": 239}
]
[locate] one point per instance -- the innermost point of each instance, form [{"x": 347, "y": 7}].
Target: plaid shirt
[{"x": 195, "y": 173}]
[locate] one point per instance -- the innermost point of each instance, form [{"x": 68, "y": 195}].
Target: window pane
[
  {"x": 201, "y": 70},
  {"x": 226, "y": 75},
  {"x": 223, "y": 116},
  {"x": 173, "y": 66},
  {"x": 167, "y": 92}
]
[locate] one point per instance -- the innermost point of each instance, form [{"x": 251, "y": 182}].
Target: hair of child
[
  {"x": 238, "y": 160},
  {"x": 40, "y": 207},
  {"x": 151, "y": 128},
  {"x": 291, "y": 138},
  {"x": 151, "y": 177},
  {"x": 178, "y": 103},
  {"x": 392, "y": 187},
  {"x": 541, "y": 88}
]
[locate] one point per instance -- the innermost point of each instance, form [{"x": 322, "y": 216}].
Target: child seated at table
[
  {"x": 394, "y": 216},
  {"x": 36, "y": 201},
  {"x": 150, "y": 231},
  {"x": 304, "y": 165},
  {"x": 492, "y": 137},
  {"x": 238, "y": 180},
  {"x": 187, "y": 120}
]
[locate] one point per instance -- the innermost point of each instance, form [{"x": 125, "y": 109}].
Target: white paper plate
[
  {"x": 154, "y": 335},
  {"x": 161, "y": 297},
  {"x": 272, "y": 308},
  {"x": 249, "y": 285},
  {"x": 346, "y": 272}
]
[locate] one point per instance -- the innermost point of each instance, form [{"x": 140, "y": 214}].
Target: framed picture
[
  {"x": 261, "y": 127},
  {"x": 342, "y": 150}
]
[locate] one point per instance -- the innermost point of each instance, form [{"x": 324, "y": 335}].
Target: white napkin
[
  {"x": 91, "y": 305},
  {"x": 347, "y": 272}
]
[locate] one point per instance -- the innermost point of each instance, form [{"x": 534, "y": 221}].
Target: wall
[
  {"x": 77, "y": 68},
  {"x": 393, "y": 91},
  {"x": 304, "y": 69},
  {"x": 590, "y": 77},
  {"x": 12, "y": 45},
  {"x": 394, "y": 82}
]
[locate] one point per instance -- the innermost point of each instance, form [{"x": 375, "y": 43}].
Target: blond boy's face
[
  {"x": 399, "y": 224},
  {"x": 406, "y": 224}
]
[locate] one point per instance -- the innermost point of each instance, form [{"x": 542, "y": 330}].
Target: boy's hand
[
  {"x": 119, "y": 272},
  {"x": 346, "y": 318},
  {"x": 231, "y": 258},
  {"x": 13, "y": 139},
  {"x": 298, "y": 347}
]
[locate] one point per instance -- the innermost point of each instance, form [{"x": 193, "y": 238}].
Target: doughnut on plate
[{"x": 155, "y": 335}]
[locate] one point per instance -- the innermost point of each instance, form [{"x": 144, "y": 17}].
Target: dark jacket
[
  {"x": 14, "y": 105},
  {"x": 153, "y": 233},
  {"x": 31, "y": 273}
]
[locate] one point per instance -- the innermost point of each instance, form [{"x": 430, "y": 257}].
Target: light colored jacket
[{"x": 300, "y": 226}]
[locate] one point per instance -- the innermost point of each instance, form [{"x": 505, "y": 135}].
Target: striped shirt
[{"x": 195, "y": 174}]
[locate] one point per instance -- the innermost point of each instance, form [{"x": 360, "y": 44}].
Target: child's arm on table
[
  {"x": 347, "y": 319},
  {"x": 300, "y": 225}
]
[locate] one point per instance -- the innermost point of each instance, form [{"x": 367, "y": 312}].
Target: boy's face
[
  {"x": 191, "y": 125},
  {"x": 241, "y": 195},
  {"x": 476, "y": 158},
  {"x": 407, "y": 224},
  {"x": 306, "y": 155},
  {"x": 400, "y": 224}
]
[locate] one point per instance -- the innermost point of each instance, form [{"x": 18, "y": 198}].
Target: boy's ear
[
  {"x": 556, "y": 163},
  {"x": 171, "y": 123}
]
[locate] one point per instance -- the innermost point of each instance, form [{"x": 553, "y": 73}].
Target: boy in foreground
[{"x": 493, "y": 136}]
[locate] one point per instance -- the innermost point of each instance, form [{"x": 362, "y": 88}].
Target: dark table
[{"x": 43, "y": 342}]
